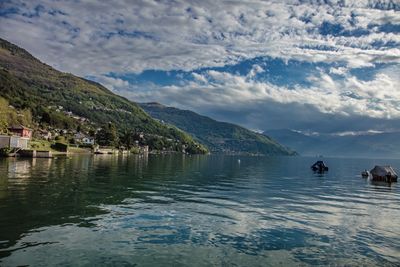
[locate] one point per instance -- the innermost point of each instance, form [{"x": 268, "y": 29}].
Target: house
[
  {"x": 13, "y": 141},
  {"x": 79, "y": 137},
  {"x": 82, "y": 138},
  {"x": 21, "y": 131},
  {"x": 46, "y": 135},
  {"x": 88, "y": 141},
  {"x": 19, "y": 139}
]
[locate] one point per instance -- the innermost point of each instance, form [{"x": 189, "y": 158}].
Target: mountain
[
  {"x": 63, "y": 100},
  {"x": 376, "y": 145},
  {"x": 218, "y": 136}
]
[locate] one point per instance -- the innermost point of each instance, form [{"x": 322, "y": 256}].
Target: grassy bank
[{"x": 46, "y": 145}]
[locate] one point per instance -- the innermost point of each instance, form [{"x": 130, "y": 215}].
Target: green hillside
[
  {"x": 218, "y": 136},
  {"x": 28, "y": 84}
]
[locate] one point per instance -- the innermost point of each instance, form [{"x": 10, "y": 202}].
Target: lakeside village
[
  {"x": 19, "y": 141},
  {"x": 46, "y": 142}
]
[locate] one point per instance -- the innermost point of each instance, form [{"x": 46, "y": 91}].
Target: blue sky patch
[{"x": 276, "y": 71}]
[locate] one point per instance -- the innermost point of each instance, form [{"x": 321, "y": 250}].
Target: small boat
[
  {"x": 384, "y": 173},
  {"x": 319, "y": 166},
  {"x": 365, "y": 174}
]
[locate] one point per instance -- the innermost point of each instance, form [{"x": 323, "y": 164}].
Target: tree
[
  {"x": 8, "y": 115},
  {"x": 60, "y": 139},
  {"x": 107, "y": 136},
  {"x": 4, "y": 110},
  {"x": 46, "y": 117},
  {"x": 25, "y": 117},
  {"x": 156, "y": 143},
  {"x": 92, "y": 133},
  {"x": 126, "y": 139}
]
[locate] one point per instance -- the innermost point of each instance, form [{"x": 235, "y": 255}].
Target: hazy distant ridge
[
  {"x": 361, "y": 145},
  {"x": 218, "y": 136}
]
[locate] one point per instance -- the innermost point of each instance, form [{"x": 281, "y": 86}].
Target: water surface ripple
[{"x": 195, "y": 211}]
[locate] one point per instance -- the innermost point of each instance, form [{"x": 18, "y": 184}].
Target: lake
[{"x": 177, "y": 210}]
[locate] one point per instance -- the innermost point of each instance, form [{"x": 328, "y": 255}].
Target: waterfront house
[
  {"x": 7, "y": 141},
  {"x": 21, "y": 131},
  {"x": 19, "y": 137}
]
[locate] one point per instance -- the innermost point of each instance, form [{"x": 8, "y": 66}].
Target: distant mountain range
[
  {"x": 382, "y": 145},
  {"x": 217, "y": 136}
]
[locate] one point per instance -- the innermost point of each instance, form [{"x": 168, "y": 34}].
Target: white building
[
  {"x": 13, "y": 141},
  {"x": 88, "y": 141}
]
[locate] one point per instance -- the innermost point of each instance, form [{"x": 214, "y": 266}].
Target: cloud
[
  {"x": 333, "y": 42},
  {"x": 247, "y": 100},
  {"x": 353, "y": 133},
  {"x": 98, "y": 37},
  {"x": 338, "y": 71},
  {"x": 112, "y": 83},
  {"x": 377, "y": 98},
  {"x": 255, "y": 70}
]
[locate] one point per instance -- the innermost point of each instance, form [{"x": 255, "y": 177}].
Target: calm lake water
[{"x": 180, "y": 210}]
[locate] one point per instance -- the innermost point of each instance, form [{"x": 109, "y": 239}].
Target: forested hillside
[
  {"x": 63, "y": 100},
  {"x": 218, "y": 136}
]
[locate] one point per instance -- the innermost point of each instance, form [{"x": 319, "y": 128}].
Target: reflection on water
[{"x": 195, "y": 210}]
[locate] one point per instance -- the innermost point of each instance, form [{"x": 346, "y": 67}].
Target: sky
[{"x": 324, "y": 66}]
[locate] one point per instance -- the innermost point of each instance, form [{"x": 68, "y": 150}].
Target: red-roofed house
[{"x": 21, "y": 131}]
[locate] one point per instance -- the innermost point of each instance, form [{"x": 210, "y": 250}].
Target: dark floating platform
[{"x": 319, "y": 166}]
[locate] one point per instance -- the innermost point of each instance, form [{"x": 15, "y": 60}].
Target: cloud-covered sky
[{"x": 310, "y": 65}]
